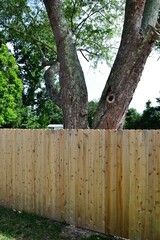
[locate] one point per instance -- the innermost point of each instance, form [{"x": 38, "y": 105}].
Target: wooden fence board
[{"x": 105, "y": 180}]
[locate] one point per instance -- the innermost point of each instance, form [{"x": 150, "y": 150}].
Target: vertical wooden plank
[
  {"x": 57, "y": 167},
  {"x": 1, "y": 157},
  {"x": 61, "y": 172},
  {"x": 37, "y": 181},
  {"x": 33, "y": 147},
  {"x": 125, "y": 184},
  {"x": 132, "y": 187},
  {"x": 150, "y": 187},
  {"x": 42, "y": 173},
  {"x": 119, "y": 202},
  {"x": 95, "y": 179},
  {"x": 51, "y": 176},
  {"x": 5, "y": 169},
  {"x": 3, "y": 140},
  {"x": 29, "y": 159},
  {"x": 72, "y": 160},
  {"x": 154, "y": 186},
  {"x": 22, "y": 159},
  {"x": 24, "y": 169},
  {"x": 157, "y": 185},
  {"x": 68, "y": 212},
  {"x": 86, "y": 175},
  {"x": 59, "y": 175},
  {"x": 80, "y": 214},
  {"x": 18, "y": 169},
  {"x": 108, "y": 184},
  {"x": 90, "y": 211},
  {"x": 143, "y": 182},
  {"x": 47, "y": 175},
  {"x": 14, "y": 169},
  {"x": 9, "y": 160},
  {"x": 12, "y": 164},
  {"x": 101, "y": 182},
  {"x": 26, "y": 160},
  {"x": 139, "y": 183},
  {"x": 146, "y": 137},
  {"x": 113, "y": 181}
]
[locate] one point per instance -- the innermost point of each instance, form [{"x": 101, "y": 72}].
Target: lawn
[{"x": 20, "y": 225}]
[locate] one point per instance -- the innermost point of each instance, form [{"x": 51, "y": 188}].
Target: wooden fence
[{"x": 104, "y": 180}]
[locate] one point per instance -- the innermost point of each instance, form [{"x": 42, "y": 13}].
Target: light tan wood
[
  {"x": 104, "y": 180},
  {"x": 132, "y": 185}
]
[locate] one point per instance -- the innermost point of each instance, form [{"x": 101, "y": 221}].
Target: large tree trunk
[
  {"x": 138, "y": 37},
  {"x": 73, "y": 95}
]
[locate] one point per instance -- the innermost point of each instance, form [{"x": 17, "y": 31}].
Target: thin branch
[
  {"x": 86, "y": 18},
  {"x": 86, "y": 50},
  {"x": 81, "y": 51}
]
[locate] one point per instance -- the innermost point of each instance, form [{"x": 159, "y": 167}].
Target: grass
[{"x": 20, "y": 225}]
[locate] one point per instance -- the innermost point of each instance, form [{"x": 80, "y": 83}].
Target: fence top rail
[{"x": 79, "y": 130}]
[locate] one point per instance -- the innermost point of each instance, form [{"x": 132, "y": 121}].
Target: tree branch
[
  {"x": 133, "y": 15},
  {"x": 49, "y": 75},
  {"x": 150, "y": 14}
]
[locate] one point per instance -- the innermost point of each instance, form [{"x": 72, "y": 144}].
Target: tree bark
[
  {"x": 139, "y": 35},
  {"x": 137, "y": 41},
  {"x": 73, "y": 93}
]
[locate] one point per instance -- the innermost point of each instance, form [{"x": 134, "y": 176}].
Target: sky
[{"x": 148, "y": 87}]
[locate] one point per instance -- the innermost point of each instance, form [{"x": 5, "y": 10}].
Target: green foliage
[
  {"x": 133, "y": 119},
  {"x": 41, "y": 116},
  {"x": 95, "y": 25},
  {"x": 10, "y": 90},
  {"x": 92, "y": 106},
  {"x": 149, "y": 119}
]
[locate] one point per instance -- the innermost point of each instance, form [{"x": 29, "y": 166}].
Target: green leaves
[
  {"x": 10, "y": 90},
  {"x": 94, "y": 23}
]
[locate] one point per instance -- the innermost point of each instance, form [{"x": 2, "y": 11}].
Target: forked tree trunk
[
  {"x": 138, "y": 37},
  {"x": 137, "y": 41}
]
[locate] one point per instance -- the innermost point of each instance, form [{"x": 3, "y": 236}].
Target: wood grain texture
[{"x": 105, "y": 180}]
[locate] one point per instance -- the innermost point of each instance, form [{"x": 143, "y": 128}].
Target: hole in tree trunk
[{"x": 110, "y": 98}]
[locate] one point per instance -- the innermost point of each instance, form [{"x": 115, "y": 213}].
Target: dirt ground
[{"x": 72, "y": 232}]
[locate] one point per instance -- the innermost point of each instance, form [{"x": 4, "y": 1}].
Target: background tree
[
  {"x": 149, "y": 119},
  {"x": 133, "y": 119},
  {"x": 151, "y": 116},
  {"x": 10, "y": 89},
  {"x": 92, "y": 106}
]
